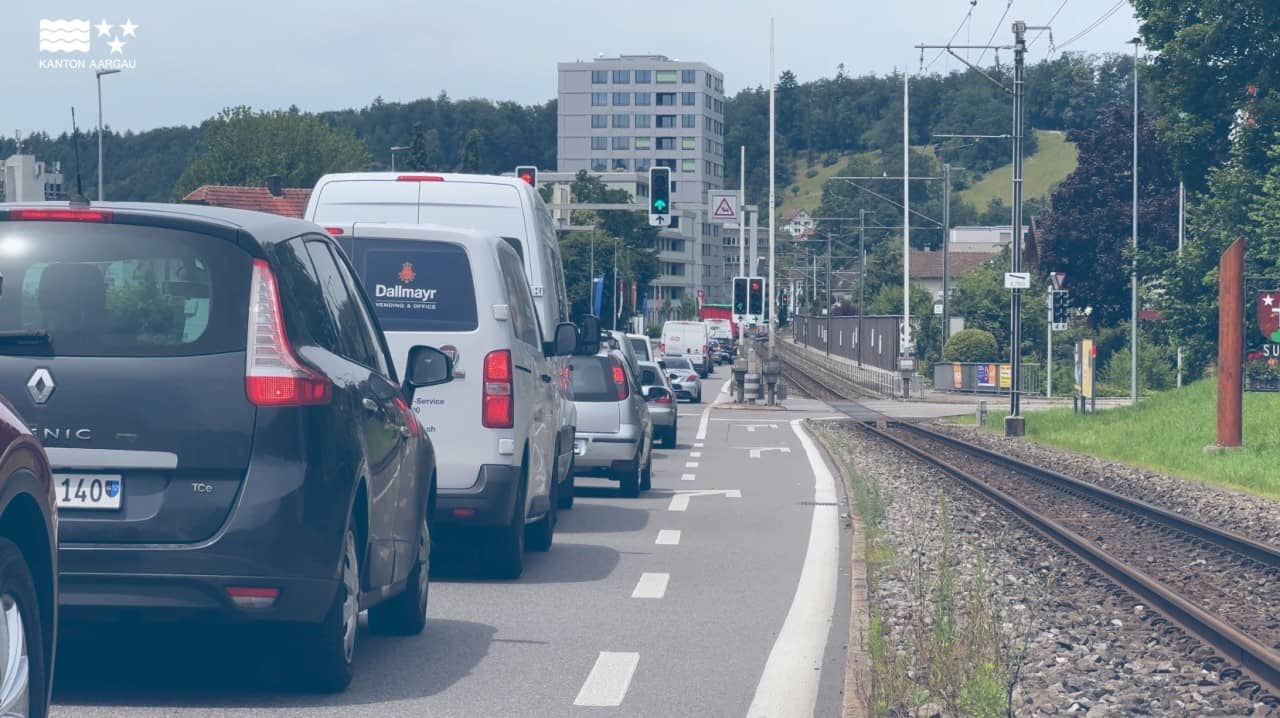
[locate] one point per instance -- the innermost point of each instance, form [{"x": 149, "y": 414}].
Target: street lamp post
[
  {"x": 98, "y": 74},
  {"x": 1133, "y": 273},
  {"x": 394, "y": 150}
]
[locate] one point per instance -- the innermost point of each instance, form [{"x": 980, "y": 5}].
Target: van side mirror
[
  {"x": 588, "y": 336},
  {"x": 428, "y": 366},
  {"x": 564, "y": 342}
]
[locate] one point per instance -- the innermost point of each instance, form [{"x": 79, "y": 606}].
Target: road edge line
[{"x": 792, "y": 674}]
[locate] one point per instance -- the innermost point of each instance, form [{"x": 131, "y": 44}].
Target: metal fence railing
[
  {"x": 878, "y": 381},
  {"x": 986, "y": 378}
]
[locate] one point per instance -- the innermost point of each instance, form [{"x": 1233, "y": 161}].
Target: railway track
[
  {"x": 1206, "y": 582},
  {"x": 1211, "y": 583}
]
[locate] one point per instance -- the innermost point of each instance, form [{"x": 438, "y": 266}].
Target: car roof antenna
[{"x": 78, "y": 199}]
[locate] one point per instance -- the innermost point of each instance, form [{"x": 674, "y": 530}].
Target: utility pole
[
  {"x": 99, "y": 74},
  {"x": 742, "y": 228},
  {"x": 1015, "y": 424},
  {"x": 907, "y": 349},
  {"x": 829, "y": 295},
  {"x": 862, "y": 275},
  {"x": 946, "y": 253},
  {"x": 1182, "y": 231},
  {"x": 773, "y": 203},
  {"x": 1133, "y": 274}
]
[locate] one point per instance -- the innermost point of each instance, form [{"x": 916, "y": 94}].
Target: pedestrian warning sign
[{"x": 723, "y": 206}]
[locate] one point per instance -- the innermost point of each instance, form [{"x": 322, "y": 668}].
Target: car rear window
[
  {"x": 673, "y": 363},
  {"x": 649, "y": 377},
  {"x": 111, "y": 290},
  {"x": 591, "y": 379},
  {"x": 417, "y": 285}
]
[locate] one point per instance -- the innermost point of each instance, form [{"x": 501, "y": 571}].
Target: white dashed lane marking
[
  {"x": 609, "y": 680},
  {"x": 668, "y": 537},
  {"x": 687, "y": 477},
  {"x": 690, "y": 464},
  {"x": 651, "y": 585},
  {"x": 695, "y": 454}
]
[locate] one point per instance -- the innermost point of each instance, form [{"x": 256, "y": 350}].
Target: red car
[{"x": 28, "y": 567}]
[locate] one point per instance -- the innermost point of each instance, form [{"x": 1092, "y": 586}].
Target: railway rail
[{"x": 1205, "y": 582}]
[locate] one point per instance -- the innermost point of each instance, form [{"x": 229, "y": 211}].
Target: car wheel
[
  {"x": 24, "y": 689},
  {"x": 326, "y": 650},
  {"x": 508, "y": 548},
  {"x": 564, "y": 498},
  {"x": 646, "y": 475},
  {"x": 669, "y": 437},
  {"x": 406, "y": 613},
  {"x": 696, "y": 398},
  {"x": 540, "y": 533},
  {"x": 629, "y": 479}
]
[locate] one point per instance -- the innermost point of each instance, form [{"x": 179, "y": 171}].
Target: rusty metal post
[{"x": 1230, "y": 344}]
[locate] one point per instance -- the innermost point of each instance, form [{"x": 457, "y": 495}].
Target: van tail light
[
  {"x": 564, "y": 377},
  {"x": 662, "y": 348},
  {"x": 704, "y": 350},
  {"x": 619, "y": 378},
  {"x": 419, "y": 178},
  {"x": 335, "y": 231},
  {"x": 273, "y": 376},
  {"x": 497, "y": 409}
]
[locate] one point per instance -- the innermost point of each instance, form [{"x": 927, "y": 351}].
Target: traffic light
[
  {"x": 739, "y": 295},
  {"x": 755, "y": 296},
  {"x": 660, "y": 193},
  {"x": 1060, "y": 309},
  {"x": 528, "y": 173}
]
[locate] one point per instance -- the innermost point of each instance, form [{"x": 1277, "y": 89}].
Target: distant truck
[{"x": 719, "y": 319}]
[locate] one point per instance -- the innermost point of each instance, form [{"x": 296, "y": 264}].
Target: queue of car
[{"x": 394, "y": 377}]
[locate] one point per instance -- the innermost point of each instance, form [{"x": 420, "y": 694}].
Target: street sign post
[
  {"x": 722, "y": 206},
  {"x": 1017, "y": 280}
]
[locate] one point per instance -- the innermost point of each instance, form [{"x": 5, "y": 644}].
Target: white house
[{"x": 798, "y": 223}]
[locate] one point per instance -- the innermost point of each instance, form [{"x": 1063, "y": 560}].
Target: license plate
[
  {"x": 89, "y": 491},
  {"x": 579, "y": 447}
]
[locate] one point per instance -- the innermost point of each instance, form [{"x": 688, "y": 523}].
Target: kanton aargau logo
[
  {"x": 1269, "y": 315},
  {"x": 78, "y": 45}
]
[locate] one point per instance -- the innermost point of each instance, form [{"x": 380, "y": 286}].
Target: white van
[
  {"x": 494, "y": 428},
  {"x": 689, "y": 340},
  {"x": 503, "y": 206}
]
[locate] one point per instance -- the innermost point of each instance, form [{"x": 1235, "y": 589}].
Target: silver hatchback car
[
  {"x": 615, "y": 434},
  {"x": 660, "y": 397}
]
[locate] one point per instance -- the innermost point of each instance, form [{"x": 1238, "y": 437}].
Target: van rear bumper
[{"x": 491, "y": 501}]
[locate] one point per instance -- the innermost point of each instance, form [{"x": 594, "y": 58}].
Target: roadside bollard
[
  {"x": 739, "y": 374},
  {"x": 772, "y": 373},
  {"x": 982, "y": 413}
]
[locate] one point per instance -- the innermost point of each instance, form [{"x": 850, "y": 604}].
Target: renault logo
[{"x": 40, "y": 385}]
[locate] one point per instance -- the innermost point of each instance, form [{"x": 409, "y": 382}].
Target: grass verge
[
  {"x": 1053, "y": 161},
  {"x": 1168, "y": 432}
]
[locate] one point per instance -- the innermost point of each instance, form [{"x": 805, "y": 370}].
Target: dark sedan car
[
  {"x": 225, "y": 426},
  {"x": 28, "y": 565}
]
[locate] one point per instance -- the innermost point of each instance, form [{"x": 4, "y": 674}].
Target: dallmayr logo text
[{"x": 95, "y": 47}]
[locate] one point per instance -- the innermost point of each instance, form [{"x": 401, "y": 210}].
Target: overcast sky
[{"x": 192, "y": 59}]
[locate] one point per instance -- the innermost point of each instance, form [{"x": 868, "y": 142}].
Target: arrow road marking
[
  {"x": 757, "y": 451},
  {"x": 680, "y": 502},
  {"x": 751, "y": 428}
]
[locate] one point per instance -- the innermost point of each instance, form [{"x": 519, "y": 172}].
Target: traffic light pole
[{"x": 1048, "y": 392}]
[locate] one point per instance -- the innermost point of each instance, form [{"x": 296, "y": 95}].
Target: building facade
[
  {"x": 24, "y": 179},
  {"x": 629, "y": 113}
]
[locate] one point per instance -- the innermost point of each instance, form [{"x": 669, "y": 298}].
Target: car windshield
[{"x": 678, "y": 363}]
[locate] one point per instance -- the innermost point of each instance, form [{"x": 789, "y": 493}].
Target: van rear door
[
  {"x": 365, "y": 200},
  {"x": 132, "y": 372}
]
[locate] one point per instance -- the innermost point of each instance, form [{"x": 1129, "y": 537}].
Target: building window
[
  {"x": 689, "y": 98},
  {"x": 688, "y": 165},
  {"x": 642, "y": 121},
  {"x": 709, "y": 83},
  {"x": 666, "y": 120},
  {"x": 621, "y": 77},
  {"x": 666, "y": 99},
  {"x": 599, "y": 143},
  {"x": 620, "y": 164},
  {"x": 720, "y": 85},
  {"x": 599, "y": 77},
  {"x": 719, "y": 107},
  {"x": 622, "y": 98},
  {"x": 707, "y": 145},
  {"x": 644, "y": 77},
  {"x": 707, "y": 101},
  {"x": 599, "y": 121},
  {"x": 688, "y": 121},
  {"x": 669, "y": 164},
  {"x": 674, "y": 189},
  {"x": 643, "y": 163},
  {"x": 622, "y": 143},
  {"x": 599, "y": 164},
  {"x": 688, "y": 143},
  {"x": 688, "y": 76},
  {"x": 642, "y": 99},
  {"x": 666, "y": 77},
  {"x": 642, "y": 143},
  {"x": 622, "y": 120},
  {"x": 599, "y": 99},
  {"x": 666, "y": 143}
]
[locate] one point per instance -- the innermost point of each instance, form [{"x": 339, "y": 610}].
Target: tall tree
[
  {"x": 1088, "y": 231},
  {"x": 243, "y": 147},
  {"x": 472, "y": 150}
]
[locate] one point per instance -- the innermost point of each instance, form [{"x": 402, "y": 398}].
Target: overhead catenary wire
[
  {"x": 1048, "y": 26},
  {"x": 968, "y": 18},
  {"x": 999, "y": 23},
  {"x": 1092, "y": 26}
]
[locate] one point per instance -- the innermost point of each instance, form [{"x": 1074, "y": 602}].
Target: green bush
[
  {"x": 655, "y": 331},
  {"x": 811, "y": 174},
  {"x": 830, "y": 158},
  {"x": 971, "y": 345}
]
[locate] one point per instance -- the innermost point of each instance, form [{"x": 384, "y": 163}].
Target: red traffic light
[
  {"x": 755, "y": 285},
  {"x": 527, "y": 177},
  {"x": 527, "y": 174}
]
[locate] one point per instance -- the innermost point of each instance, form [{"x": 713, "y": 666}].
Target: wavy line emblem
[{"x": 64, "y": 36}]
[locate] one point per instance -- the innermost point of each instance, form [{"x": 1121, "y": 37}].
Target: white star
[
  {"x": 128, "y": 28},
  {"x": 116, "y": 46},
  {"x": 1267, "y": 299},
  {"x": 104, "y": 27}
]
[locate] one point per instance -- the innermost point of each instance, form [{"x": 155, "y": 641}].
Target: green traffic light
[{"x": 660, "y": 205}]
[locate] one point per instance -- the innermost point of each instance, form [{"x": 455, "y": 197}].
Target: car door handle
[{"x": 369, "y": 404}]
